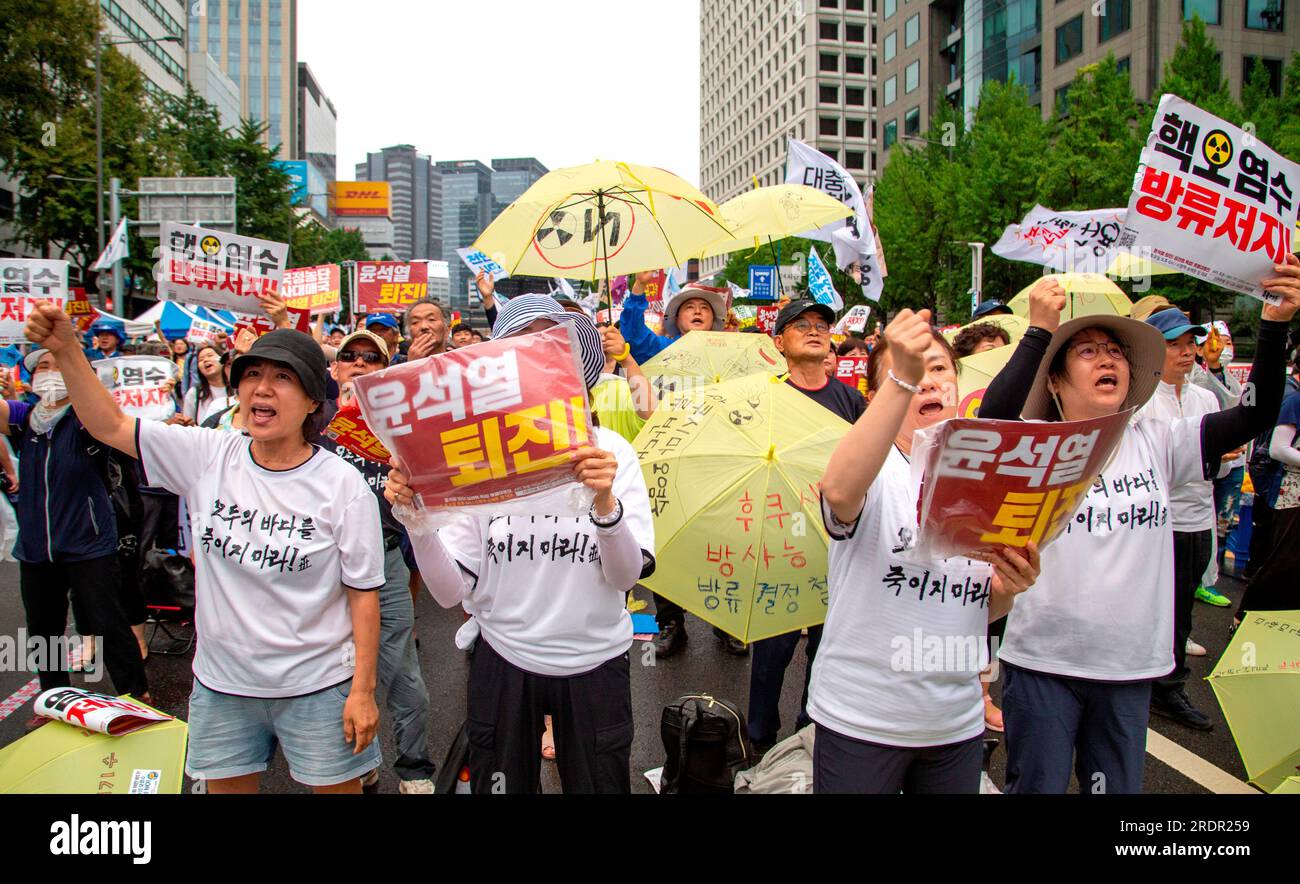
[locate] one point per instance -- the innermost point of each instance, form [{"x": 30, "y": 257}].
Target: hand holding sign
[
  {"x": 50, "y": 327},
  {"x": 909, "y": 337},
  {"x": 596, "y": 469},
  {"x": 1287, "y": 285},
  {"x": 1046, "y": 302},
  {"x": 397, "y": 489}
]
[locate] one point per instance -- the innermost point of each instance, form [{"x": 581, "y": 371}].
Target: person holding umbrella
[
  {"x": 693, "y": 307},
  {"x": 288, "y": 558},
  {"x": 1081, "y": 651}
]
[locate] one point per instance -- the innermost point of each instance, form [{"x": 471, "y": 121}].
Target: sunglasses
[{"x": 369, "y": 357}]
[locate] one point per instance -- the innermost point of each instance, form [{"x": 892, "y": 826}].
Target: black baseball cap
[
  {"x": 991, "y": 307},
  {"x": 795, "y": 309},
  {"x": 292, "y": 348}
]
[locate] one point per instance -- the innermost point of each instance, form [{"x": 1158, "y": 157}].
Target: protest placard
[
  {"x": 260, "y": 325},
  {"x": 478, "y": 262},
  {"x": 203, "y": 332},
  {"x": 348, "y": 428},
  {"x": 23, "y": 282},
  {"x": 313, "y": 290},
  {"x": 987, "y": 484},
  {"x": 1081, "y": 242},
  {"x": 487, "y": 424},
  {"x": 139, "y": 385},
  {"x": 216, "y": 269},
  {"x": 390, "y": 286},
  {"x": 854, "y": 321},
  {"x": 1211, "y": 201},
  {"x": 852, "y": 370},
  {"x": 80, "y": 310},
  {"x": 766, "y": 319}
]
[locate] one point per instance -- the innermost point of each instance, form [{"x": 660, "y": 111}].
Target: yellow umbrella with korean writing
[
  {"x": 699, "y": 358},
  {"x": 1086, "y": 294},
  {"x": 1257, "y": 683},
  {"x": 732, "y": 471}
]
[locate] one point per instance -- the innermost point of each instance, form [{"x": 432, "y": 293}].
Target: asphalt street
[{"x": 703, "y": 666}]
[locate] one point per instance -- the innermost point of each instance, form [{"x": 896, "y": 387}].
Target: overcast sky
[{"x": 567, "y": 81}]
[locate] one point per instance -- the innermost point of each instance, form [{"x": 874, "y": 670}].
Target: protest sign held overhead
[
  {"x": 139, "y": 385},
  {"x": 203, "y": 332},
  {"x": 483, "y": 425},
  {"x": 852, "y": 370},
  {"x": 23, "y": 282},
  {"x": 1084, "y": 242},
  {"x": 390, "y": 286},
  {"x": 348, "y": 428},
  {"x": 216, "y": 269},
  {"x": 478, "y": 262},
  {"x": 313, "y": 290},
  {"x": 987, "y": 484},
  {"x": 854, "y": 321},
  {"x": 260, "y": 325},
  {"x": 1211, "y": 200}
]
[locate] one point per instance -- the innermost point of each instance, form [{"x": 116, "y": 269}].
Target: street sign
[
  {"x": 762, "y": 282},
  {"x": 205, "y": 202}
]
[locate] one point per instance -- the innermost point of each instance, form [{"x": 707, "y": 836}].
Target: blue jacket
[
  {"x": 64, "y": 511},
  {"x": 644, "y": 343}
]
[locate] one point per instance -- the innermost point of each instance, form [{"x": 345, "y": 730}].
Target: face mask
[
  {"x": 1226, "y": 356},
  {"x": 50, "y": 387}
]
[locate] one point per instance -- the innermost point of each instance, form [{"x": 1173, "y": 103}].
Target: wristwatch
[{"x": 607, "y": 521}]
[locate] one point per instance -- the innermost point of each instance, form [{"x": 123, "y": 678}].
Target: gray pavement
[{"x": 702, "y": 666}]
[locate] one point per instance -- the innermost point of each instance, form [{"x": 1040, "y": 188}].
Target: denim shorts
[{"x": 232, "y": 736}]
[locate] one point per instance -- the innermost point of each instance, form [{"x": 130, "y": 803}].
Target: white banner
[
  {"x": 217, "y": 269},
  {"x": 854, "y": 321},
  {"x": 93, "y": 711},
  {"x": 139, "y": 385},
  {"x": 852, "y": 237},
  {"x": 23, "y": 281},
  {"x": 204, "y": 332},
  {"x": 478, "y": 262},
  {"x": 1080, "y": 242},
  {"x": 1212, "y": 201}
]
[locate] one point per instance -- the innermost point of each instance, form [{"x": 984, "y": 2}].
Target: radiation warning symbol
[
  {"x": 556, "y": 231},
  {"x": 210, "y": 244},
  {"x": 740, "y": 418},
  {"x": 1217, "y": 148}
]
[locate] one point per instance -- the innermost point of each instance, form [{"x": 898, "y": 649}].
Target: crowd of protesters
[{"x": 308, "y": 558}]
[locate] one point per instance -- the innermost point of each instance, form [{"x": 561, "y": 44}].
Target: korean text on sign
[
  {"x": 486, "y": 424},
  {"x": 390, "y": 286},
  {"x": 23, "y": 282},
  {"x": 1211, "y": 200},
  {"x": 217, "y": 269},
  {"x": 313, "y": 290},
  {"x": 140, "y": 385},
  {"x": 989, "y": 484}
]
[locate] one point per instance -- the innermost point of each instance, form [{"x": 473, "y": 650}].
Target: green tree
[
  {"x": 190, "y": 135},
  {"x": 264, "y": 193},
  {"x": 1195, "y": 73}
]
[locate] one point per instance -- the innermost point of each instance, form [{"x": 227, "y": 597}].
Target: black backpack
[{"x": 707, "y": 744}]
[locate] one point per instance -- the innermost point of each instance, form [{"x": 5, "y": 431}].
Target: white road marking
[{"x": 1196, "y": 768}]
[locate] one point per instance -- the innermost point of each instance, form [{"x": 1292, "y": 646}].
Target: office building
[
  {"x": 946, "y": 50},
  {"x": 317, "y": 125},
  {"x": 163, "y": 64},
  {"x": 775, "y": 69},
  {"x": 417, "y": 224},
  {"x": 255, "y": 43},
  {"x": 210, "y": 81}
]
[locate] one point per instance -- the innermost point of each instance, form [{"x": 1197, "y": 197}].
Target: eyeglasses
[
  {"x": 1090, "y": 350},
  {"x": 369, "y": 357},
  {"x": 807, "y": 325}
]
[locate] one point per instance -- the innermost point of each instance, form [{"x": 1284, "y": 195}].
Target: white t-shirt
[
  {"x": 1191, "y": 506},
  {"x": 273, "y": 552},
  {"x": 1103, "y": 606},
  {"x": 540, "y": 598},
  {"x": 217, "y": 402},
  {"x": 904, "y": 641}
]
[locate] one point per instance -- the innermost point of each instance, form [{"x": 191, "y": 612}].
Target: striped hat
[{"x": 523, "y": 310}]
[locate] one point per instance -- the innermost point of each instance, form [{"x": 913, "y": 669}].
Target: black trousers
[
  {"x": 1192, "y": 550},
  {"x": 767, "y": 665},
  {"x": 158, "y": 526},
  {"x": 1276, "y": 586},
  {"x": 93, "y": 587},
  {"x": 1261, "y": 530},
  {"x": 842, "y": 766},
  {"x": 668, "y": 612},
  {"x": 591, "y": 715}
]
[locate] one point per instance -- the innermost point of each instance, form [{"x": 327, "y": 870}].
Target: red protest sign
[
  {"x": 313, "y": 290},
  {"x": 767, "y": 319},
  {"x": 260, "y": 325},
  {"x": 852, "y": 370},
  {"x": 390, "y": 286},
  {"x": 990, "y": 484},
  {"x": 483, "y": 424},
  {"x": 348, "y": 428}
]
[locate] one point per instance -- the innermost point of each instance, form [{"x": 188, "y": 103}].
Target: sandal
[
  {"x": 992, "y": 715},
  {"x": 548, "y": 742}
]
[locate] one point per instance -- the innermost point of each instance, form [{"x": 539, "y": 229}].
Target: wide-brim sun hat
[
  {"x": 1143, "y": 344},
  {"x": 717, "y": 299},
  {"x": 292, "y": 348},
  {"x": 522, "y": 311}
]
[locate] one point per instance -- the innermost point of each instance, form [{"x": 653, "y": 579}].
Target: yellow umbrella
[
  {"x": 1290, "y": 786},
  {"x": 1257, "y": 683},
  {"x": 1014, "y": 325},
  {"x": 1087, "y": 294},
  {"x": 974, "y": 375},
  {"x": 699, "y": 358},
  {"x": 602, "y": 219},
  {"x": 1128, "y": 266},
  {"x": 732, "y": 471},
  {"x": 60, "y": 758},
  {"x": 774, "y": 212}
]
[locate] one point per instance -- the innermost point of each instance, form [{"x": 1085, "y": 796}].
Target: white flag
[
  {"x": 1081, "y": 242},
  {"x": 852, "y": 237},
  {"x": 117, "y": 249}
]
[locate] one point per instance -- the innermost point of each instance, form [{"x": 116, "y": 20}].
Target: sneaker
[
  {"x": 1194, "y": 650},
  {"x": 415, "y": 787},
  {"x": 1176, "y": 707},
  {"x": 370, "y": 780},
  {"x": 731, "y": 644},
  {"x": 671, "y": 639},
  {"x": 1212, "y": 597}
]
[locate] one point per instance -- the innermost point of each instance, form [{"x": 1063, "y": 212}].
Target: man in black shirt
[
  {"x": 363, "y": 352},
  {"x": 803, "y": 335}
]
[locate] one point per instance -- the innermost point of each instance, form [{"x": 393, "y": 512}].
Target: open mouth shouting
[
  {"x": 1108, "y": 382},
  {"x": 261, "y": 415}
]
